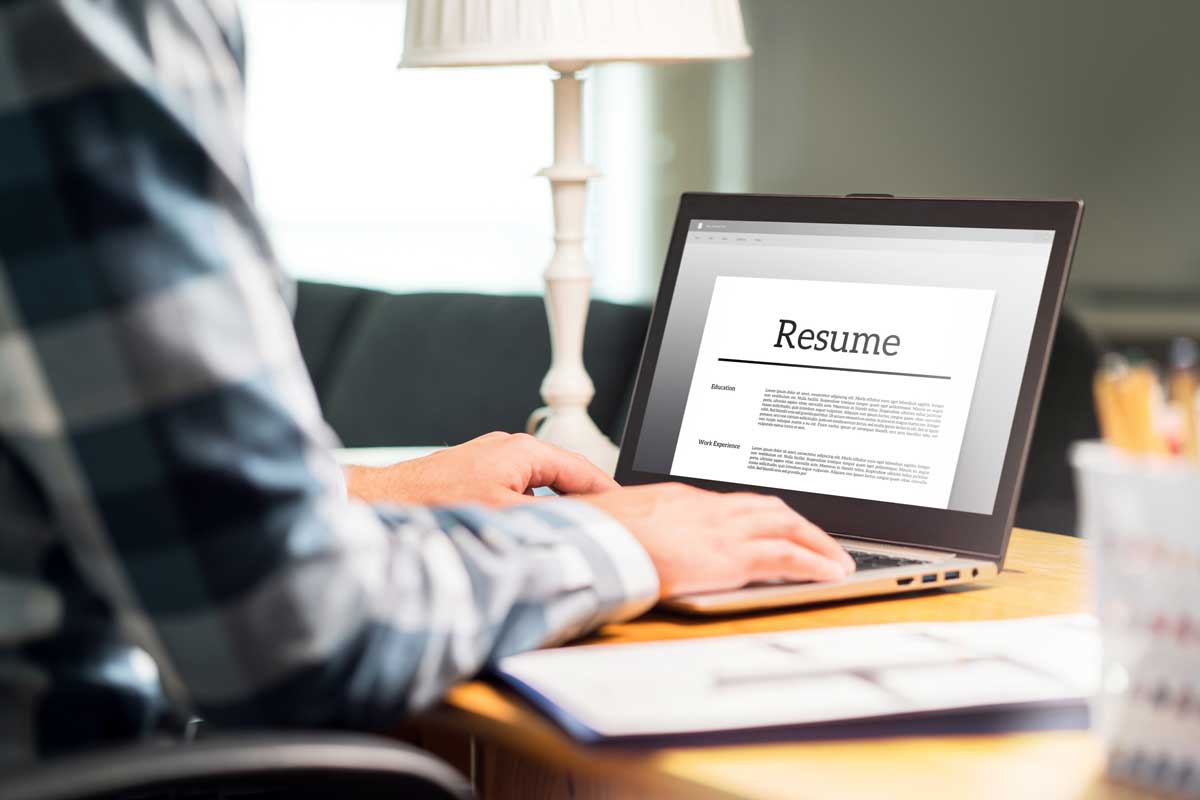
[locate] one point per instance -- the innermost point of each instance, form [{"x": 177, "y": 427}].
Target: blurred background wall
[
  {"x": 425, "y": 179},
  {"x": 1098, "y": 99}
]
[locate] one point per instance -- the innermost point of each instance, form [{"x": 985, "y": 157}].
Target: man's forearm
[{"x": 369, "y": 626}]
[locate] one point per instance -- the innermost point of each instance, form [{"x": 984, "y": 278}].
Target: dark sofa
[{"x": 432, "y": 369}]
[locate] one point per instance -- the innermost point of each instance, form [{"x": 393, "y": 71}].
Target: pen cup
[{"x": 1142, "y": 518}]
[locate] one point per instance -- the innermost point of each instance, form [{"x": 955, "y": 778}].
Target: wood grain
[{"x": 523, "y": 755}]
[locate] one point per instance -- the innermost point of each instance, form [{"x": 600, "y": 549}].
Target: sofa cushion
[
  {"x": 431, "y": 369},
  {"x": 325, "y": 315}
]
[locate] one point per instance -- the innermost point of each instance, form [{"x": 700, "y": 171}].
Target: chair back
[{"x": 249, "y": 767}]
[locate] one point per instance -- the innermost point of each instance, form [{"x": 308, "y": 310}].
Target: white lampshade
[{"x": 457, "y": 33}]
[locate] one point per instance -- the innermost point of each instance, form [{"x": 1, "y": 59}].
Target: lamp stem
[{"x": 567, "y": 389}]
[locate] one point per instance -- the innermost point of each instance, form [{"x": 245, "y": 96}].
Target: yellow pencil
[
  {"x": 1114, "y": 425},
  {"x": 1140, "y": 395}
]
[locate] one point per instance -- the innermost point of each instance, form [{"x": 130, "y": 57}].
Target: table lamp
[{"x": 569, "y": 35}]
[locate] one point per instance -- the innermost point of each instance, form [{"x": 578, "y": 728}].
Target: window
[{"x": 414, "y": 180}]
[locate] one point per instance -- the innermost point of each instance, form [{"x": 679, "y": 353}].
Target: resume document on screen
[{"x": 853, "y": 389}]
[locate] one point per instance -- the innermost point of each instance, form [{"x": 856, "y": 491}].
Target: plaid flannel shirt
[{"x": 171, "y": 514}]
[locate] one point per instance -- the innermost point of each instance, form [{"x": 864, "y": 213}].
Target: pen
[{"x": 1182, "y": 386}]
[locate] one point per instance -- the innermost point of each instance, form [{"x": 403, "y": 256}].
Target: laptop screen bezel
[{"x": 966, "y": 533}]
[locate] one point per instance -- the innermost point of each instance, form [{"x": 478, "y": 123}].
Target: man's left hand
[{"x": 497, "y": 469}]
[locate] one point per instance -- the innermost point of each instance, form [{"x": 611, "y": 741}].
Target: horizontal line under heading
[{"x": 834, "y": 369}]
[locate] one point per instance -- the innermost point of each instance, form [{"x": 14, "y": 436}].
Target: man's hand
[
  {"x": 497, "y": 469},
  {"x": 704, "y": 541},
  {"x": 697, "y": 540}
]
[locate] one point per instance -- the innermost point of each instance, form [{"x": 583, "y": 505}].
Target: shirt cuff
[{"x": 623, "y": 575}]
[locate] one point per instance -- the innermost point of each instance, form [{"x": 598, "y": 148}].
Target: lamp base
[{"x": 572, "y": 429}]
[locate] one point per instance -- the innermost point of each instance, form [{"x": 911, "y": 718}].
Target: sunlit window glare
[
  {"x": 410, "y": 180},
  {"x": 396, "y": 179}
]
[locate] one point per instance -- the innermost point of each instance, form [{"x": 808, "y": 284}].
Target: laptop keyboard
[{"x": 864, "y": 560}]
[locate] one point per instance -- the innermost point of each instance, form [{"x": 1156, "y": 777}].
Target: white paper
[
  {"x": 803, "y": 677},
  {"x": 770, "y": 405}
]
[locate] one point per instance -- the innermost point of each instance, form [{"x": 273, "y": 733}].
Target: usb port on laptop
[
  {"x": 952, "y": 575},
  {"x": 928, "y": 578}
]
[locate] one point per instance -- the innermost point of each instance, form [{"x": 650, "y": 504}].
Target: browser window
[{"x": 866, "y": 361}]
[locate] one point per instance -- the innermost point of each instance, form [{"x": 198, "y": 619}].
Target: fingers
[
  {"x": 773, "y": 559},
  {"x": 563, "y": 471},
  {"x": 776, "y": 519},
  {"x": 800, "y": 531}
]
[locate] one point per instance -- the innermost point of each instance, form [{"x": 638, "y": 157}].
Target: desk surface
[{"x": 1045, "y": 574}]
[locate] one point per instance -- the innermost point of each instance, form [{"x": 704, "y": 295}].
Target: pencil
[{"x": 1114, "y": 426}]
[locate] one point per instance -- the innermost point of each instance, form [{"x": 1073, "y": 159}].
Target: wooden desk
[{"x": 513, "y": 752}]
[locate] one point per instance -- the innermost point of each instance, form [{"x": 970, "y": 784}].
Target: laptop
[{"x": 874, "y": 361}]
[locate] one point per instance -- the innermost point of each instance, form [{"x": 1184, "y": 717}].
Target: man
[{"x": 171, "y": 515}]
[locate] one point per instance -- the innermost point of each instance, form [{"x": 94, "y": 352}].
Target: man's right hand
[{"x": 706, "y": 541}]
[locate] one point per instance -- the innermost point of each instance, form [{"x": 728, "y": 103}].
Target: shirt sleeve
[{"x": 177, "y": 433}]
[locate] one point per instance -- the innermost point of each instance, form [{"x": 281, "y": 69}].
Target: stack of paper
[{"x": 810, "y": 677}]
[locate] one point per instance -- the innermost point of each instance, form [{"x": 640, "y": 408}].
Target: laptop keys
[{"x": 864, "y": 560}]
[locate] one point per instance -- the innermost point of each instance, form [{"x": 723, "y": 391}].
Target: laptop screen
[{"x": 876, "y": 362}]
